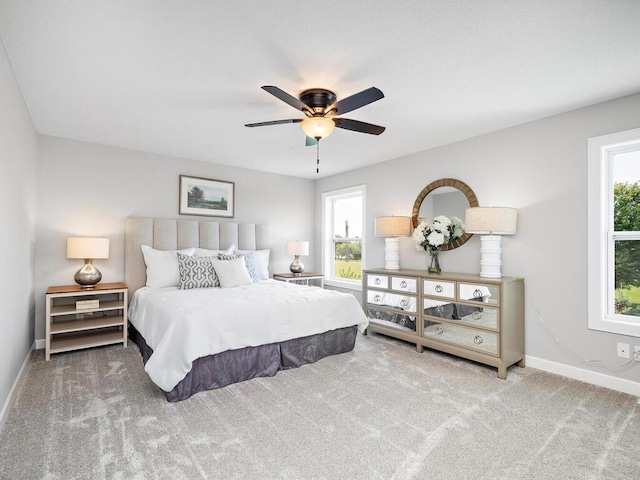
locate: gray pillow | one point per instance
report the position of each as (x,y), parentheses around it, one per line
(196,272)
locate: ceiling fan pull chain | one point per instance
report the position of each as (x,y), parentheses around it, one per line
(317,154)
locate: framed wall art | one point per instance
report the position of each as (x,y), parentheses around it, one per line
(207,197)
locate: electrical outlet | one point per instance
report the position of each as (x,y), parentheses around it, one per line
(623,350)
(636,353)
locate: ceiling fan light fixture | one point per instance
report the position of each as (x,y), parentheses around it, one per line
(317,127)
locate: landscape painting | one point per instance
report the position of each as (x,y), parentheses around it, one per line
(204,196)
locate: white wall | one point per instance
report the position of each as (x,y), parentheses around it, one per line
(18,156)
(541,169)
(88,190)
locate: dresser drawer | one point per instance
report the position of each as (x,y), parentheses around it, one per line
(439,288)
(475,315)
(401,302)
(377,281)
(392,319)
(404,284)
(470,338)
(480,316)
(481,293)
(435,308)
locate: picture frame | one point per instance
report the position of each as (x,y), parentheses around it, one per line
(206,197)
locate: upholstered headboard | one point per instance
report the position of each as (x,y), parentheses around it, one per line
(172,234)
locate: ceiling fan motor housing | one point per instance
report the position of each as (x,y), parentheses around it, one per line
(318,99)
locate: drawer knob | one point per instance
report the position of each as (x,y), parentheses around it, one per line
(377,281)
(439,288)
(439,309)
(477,340)
(404,302)
(439,331)
(403,284)
(476,315)
(376,298)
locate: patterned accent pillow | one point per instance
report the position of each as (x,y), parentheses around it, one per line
(196,272)
(249,261)
(262,262)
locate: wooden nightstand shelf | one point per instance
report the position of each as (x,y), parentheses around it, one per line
(72,328)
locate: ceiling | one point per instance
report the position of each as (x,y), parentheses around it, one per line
(182,78)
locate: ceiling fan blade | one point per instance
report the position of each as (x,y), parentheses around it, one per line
(286,98)
(274,122)
(357,100)
(309,142)
(358,126)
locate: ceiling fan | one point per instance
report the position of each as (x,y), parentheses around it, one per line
(321,107)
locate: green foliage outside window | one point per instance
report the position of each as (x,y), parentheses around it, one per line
(626,218)
(348,260)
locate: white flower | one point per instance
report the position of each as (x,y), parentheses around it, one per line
(441,230)
(458,227)
(443,220)
(435,239)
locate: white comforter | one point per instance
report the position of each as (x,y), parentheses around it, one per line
(183,325)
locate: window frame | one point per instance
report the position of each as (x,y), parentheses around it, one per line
(600,234)
(328,240)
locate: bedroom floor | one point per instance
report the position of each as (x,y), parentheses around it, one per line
(382,411)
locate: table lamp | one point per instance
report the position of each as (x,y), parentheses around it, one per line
(297,248)
(491,223)
(88,249)
(392,228)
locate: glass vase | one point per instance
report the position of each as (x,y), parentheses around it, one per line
(434,266)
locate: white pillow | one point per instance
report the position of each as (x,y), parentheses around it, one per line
(231,273)
(203,252)
(261,258)
(162,266)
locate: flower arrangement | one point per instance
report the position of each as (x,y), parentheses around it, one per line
(440,231)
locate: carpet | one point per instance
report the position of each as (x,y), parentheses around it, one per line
(383,411)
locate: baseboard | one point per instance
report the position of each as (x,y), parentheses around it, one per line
(588,376)
(40,344)
(14,388)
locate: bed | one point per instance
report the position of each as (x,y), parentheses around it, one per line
(205,338)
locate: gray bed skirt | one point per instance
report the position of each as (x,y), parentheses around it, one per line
(232,366)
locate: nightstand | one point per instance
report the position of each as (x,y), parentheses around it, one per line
(79,317)
(302,278)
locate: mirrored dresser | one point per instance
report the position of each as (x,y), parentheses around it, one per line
(477,318)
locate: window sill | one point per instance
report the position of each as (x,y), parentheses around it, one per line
(620,327)
(342,284)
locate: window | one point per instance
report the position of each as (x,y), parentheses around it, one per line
(614,233)
(342,233)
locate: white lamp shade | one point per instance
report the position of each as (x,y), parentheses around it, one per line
(298,248)
(393,226)
(87,247)
(317,127)
(491,220)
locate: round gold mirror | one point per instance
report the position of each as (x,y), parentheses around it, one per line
(448,197)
